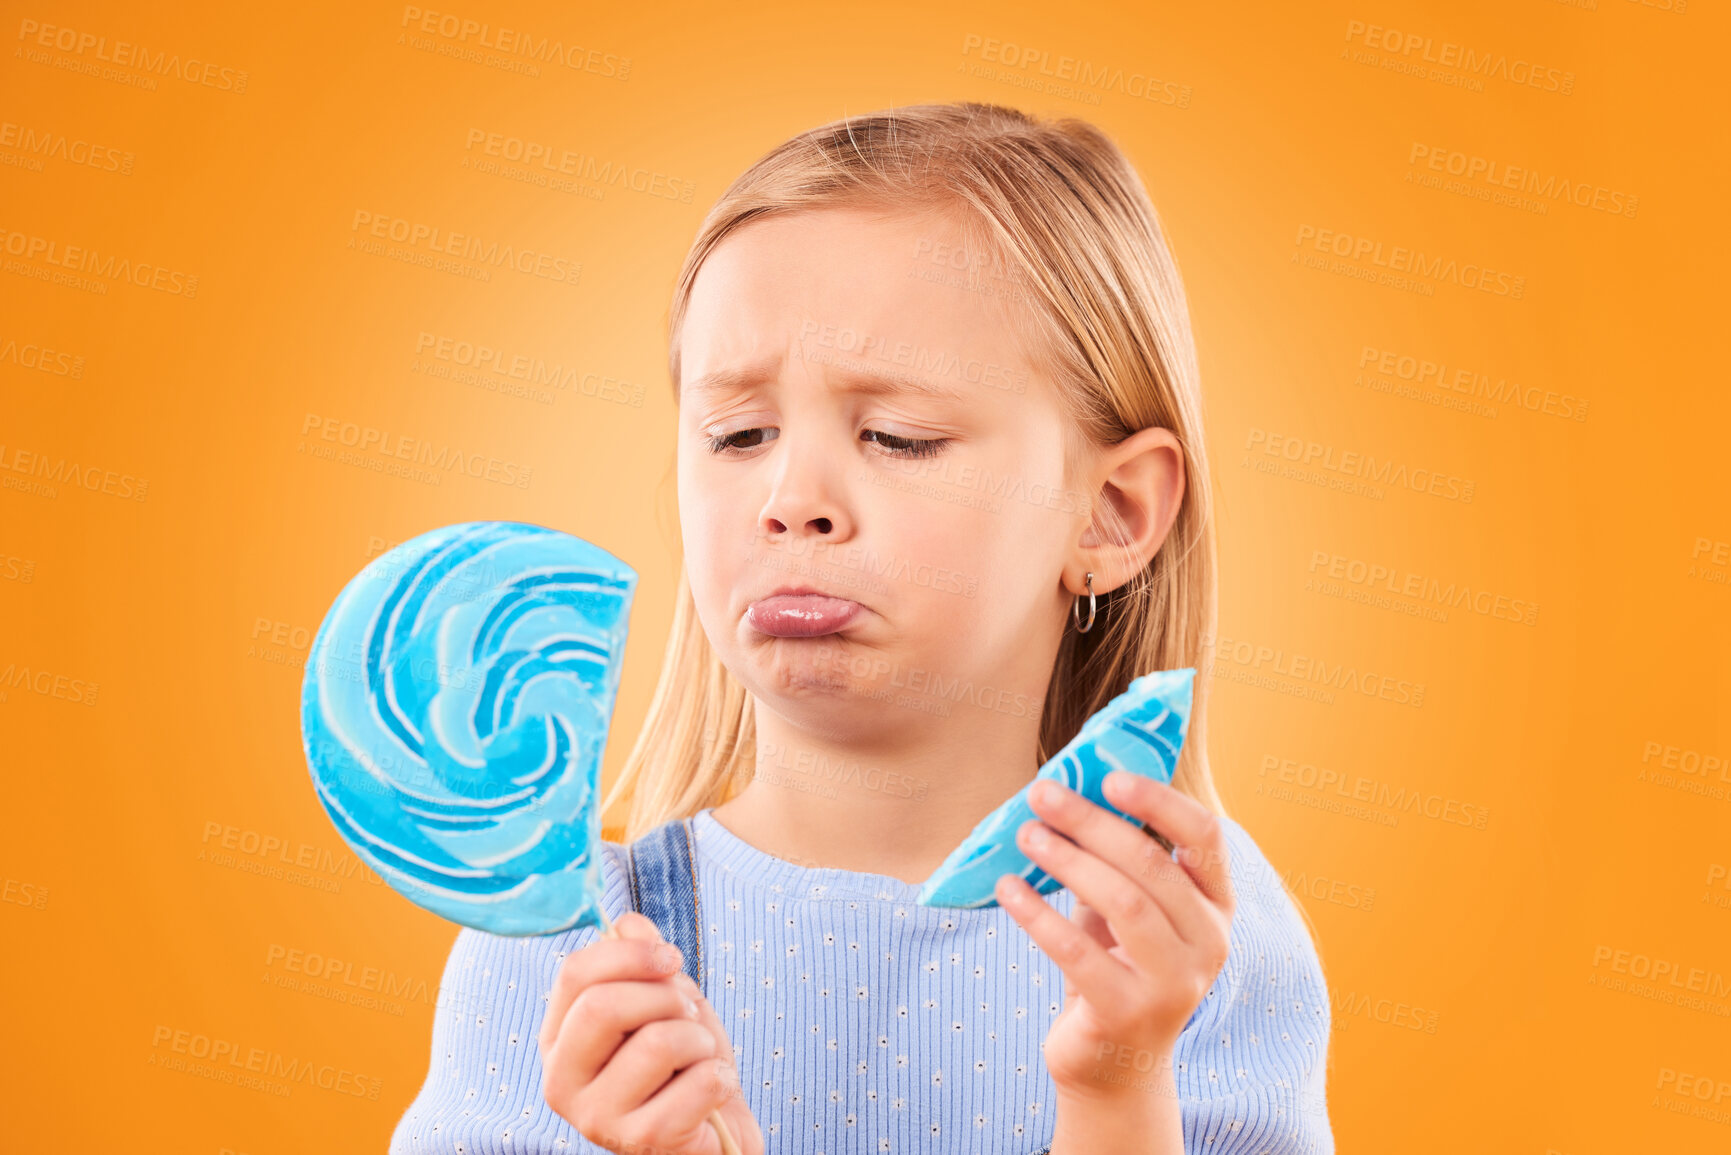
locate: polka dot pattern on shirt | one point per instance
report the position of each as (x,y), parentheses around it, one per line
(863,1021)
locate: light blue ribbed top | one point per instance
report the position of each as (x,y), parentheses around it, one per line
(863,1022)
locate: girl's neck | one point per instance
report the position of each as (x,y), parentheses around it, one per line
(894,807)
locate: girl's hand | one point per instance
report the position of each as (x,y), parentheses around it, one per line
(622,1021)
(1146,940)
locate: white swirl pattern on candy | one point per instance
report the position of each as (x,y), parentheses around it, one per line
(454,713)
(1141,730)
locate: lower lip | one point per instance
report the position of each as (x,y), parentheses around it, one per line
(801,615)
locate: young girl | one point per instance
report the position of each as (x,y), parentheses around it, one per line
(943,493)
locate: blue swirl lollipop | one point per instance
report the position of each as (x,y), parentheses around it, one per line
(1141,730)
(454,711)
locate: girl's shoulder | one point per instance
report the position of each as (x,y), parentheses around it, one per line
(1259,1041)
(492,1001)
(1259,887)
(1271,941)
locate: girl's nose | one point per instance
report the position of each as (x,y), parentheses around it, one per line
(803,501)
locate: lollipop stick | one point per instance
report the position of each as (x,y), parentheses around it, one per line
(728,1146)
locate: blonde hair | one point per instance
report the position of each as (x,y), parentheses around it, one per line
(1069,226)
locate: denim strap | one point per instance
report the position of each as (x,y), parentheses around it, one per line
(663,874)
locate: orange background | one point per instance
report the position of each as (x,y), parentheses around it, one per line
(1488,981)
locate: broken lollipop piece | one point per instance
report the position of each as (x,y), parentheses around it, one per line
(1141,730)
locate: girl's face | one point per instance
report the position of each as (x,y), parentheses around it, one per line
(856,421)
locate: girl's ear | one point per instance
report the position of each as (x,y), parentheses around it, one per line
(1137,487)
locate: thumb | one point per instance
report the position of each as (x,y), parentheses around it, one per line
(635,924)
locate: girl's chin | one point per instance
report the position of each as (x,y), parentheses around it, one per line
(791,671)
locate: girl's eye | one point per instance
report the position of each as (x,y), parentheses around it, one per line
(905,446)
(893,445)
(740,439)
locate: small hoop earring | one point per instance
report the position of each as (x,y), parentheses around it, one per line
(1076,609)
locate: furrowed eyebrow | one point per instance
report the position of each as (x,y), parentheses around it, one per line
(875,384)
(862,380)
(732,379)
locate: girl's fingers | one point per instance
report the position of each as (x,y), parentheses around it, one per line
(1088,970)
(600,1019)
(677,1118)
(711,1021)
(734,1109)
(648,1059)
(632,956)
(1146,867)
(1198,833)
(1138,921)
